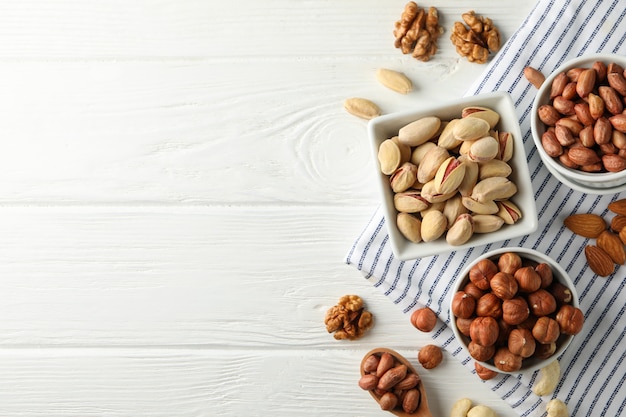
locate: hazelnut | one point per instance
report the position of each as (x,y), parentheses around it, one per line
(545,350)
(509,262)
(473,290)
(507,361)
(545,272)
(479,352)
(541,303)
(515,310)
(481,273)
(522,343)
(464,325)
(484,331)
(570,319)
(546,330)
(484,373)
(561,293)
(504,285)
(463,305)
(529,323)
(424,319)
(504,329)
(528,280)
(430,356)
(489,305)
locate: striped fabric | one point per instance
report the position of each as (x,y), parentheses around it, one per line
(594,366)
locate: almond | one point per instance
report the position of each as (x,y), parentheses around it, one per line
(613,246)
(618,223)
(587,224)
(618,206)
(599,261)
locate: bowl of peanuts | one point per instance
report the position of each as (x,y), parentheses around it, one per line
(514,310)
(578,123)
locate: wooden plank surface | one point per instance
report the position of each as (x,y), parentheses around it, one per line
(180,184)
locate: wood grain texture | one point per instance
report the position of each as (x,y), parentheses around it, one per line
(180,184)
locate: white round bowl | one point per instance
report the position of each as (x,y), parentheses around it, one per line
(529,364)
(592,183)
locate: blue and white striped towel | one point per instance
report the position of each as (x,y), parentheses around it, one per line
(594,366)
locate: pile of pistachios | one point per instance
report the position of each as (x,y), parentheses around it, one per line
(450,178)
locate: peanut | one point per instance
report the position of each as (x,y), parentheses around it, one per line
(585,111)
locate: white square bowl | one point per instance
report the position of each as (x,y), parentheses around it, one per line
(387,126)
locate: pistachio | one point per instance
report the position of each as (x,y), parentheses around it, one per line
(410,226)
(446,138)
(430,193)
(439,206)
(403,178)
(470,128)
(480,207)
(484,113)
(471,176)
(505,141)
(430,163)
(461,230)
(394,80)
(419,131)
(509,212)
(410,201)
(449,175)
(361,107)
(494,168)
(487,223)
(405,150)
(434,224)
(417,156)
(389,156)
(453,208)
(493,188)
(484,149)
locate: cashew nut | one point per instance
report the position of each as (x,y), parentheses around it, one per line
(481,411)
(461,407)
(550,376)
(557,408)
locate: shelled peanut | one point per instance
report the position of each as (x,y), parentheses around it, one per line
(609,250)
(512,309)
(394,384)
(585,121)
(450,178)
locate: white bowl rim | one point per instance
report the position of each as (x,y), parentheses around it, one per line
(529,254)
(579,177)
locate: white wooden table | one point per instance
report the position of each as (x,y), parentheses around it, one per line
(179,184)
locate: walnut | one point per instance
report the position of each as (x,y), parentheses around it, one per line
(348,319)
(476,40)
(417,31)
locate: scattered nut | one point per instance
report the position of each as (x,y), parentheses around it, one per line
(417,31)
(394,80)
(483,372)
(461,407)
(424,319)
(550,376)
(430,356)
(361,107)
(534,76)
(348,319)
(477,40)
(556,408)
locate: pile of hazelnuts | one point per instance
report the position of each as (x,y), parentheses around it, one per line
(513,309)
